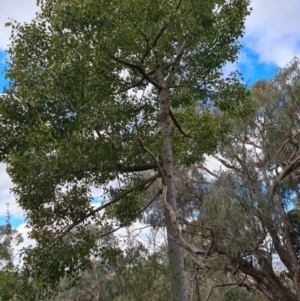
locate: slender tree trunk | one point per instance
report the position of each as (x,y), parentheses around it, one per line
(175,252)
(97,292)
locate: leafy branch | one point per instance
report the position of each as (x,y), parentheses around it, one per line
(114,200)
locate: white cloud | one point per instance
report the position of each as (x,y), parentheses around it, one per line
(23,230)
(151,238)
(229,67)
(273,31)
(19,10)
(6,197)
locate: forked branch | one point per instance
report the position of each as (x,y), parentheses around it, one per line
(137,68)
(180,240)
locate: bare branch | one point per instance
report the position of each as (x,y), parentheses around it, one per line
(286,141)
(286,171)
(138,168)
(226,164)
(249,142)
(209,171)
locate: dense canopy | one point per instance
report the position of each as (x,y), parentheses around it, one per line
(102,90)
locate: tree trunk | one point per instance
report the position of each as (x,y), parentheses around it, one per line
(175,252)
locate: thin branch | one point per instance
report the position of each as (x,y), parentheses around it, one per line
(137,215)
(218,285)
(140,81)
(285,142)
(290,168)
(161,31)
(138,168)
(178,125)
(249,142)
(158,165)
(177,86)
(163,28)
(262,165)
(209,171)
(97,131)
(123,169)
(114,200)
(71,102)
(212,244)
(176,63)
(136,67)
(178,5)
(188,195)
(226,164)
(138,29)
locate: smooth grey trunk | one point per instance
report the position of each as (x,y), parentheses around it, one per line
(175,252)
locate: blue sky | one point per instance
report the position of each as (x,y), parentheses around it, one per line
(272,39)
(2,66)
(255,70)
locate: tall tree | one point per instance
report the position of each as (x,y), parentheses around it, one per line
(249,209)
(100,90)
(9,237)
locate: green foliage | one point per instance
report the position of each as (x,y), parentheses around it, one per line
(294,217)
(238,294)
(127,209)
(9,237)
(84,89)
(8,281)
(132,274)
(243,202)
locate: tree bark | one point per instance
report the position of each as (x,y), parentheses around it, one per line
(266,276)
(175,252)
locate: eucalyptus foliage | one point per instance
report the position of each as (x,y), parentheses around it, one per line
(9,237)
(248,214)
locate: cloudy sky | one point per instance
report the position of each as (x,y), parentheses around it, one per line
(271,40)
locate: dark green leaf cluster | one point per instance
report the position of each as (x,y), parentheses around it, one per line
(84,91)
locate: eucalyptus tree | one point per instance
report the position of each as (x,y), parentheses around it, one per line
(9,237)
(249,219)
(101,90)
